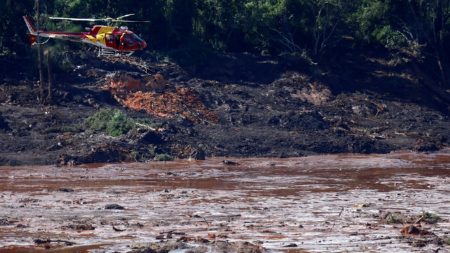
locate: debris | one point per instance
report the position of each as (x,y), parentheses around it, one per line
(409,230)
(230,163)
(66,190)
(80,227)
(48,241)
(114,207)
(182,102)
(5,222)
(149,94)
(118,229)
(393,218)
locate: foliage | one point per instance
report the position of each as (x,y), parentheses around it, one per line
(163,157)
(113,122)
(447,241)
(430,218)
(394,218)
(314,27)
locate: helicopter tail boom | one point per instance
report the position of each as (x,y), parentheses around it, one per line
(30,25)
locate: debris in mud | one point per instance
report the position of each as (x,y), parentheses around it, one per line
(200,246)
(114,207)
(80,227)
(160,247)
(250,202)
(301,87)
(47,242)
(150,94)
(230,163)
(66,190)
(393,218)
(118,229)
(414,230)
(183,102)
(5,222)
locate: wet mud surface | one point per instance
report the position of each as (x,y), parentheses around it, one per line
(333,203)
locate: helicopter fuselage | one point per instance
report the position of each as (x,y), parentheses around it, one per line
(107,37)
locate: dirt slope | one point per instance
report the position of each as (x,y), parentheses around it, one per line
(232,105)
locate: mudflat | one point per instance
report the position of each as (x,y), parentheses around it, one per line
(328,203)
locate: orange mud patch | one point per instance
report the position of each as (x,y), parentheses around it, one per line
(150,95)
(182,101)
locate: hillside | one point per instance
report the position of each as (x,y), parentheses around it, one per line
(143,108)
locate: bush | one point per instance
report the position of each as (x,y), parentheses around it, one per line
(430,218)
(113,122)
(163,157)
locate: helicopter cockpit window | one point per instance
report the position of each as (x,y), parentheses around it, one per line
(136,38)
(132,39)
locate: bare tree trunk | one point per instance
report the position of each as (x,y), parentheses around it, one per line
(49,78)
(40,68)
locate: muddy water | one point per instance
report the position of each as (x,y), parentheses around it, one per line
(312,204)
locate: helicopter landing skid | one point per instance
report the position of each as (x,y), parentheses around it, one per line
(109,52)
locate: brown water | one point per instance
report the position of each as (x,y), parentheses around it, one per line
(320,203)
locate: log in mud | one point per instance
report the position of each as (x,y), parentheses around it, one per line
(334,203)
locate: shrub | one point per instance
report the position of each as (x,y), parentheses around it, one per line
(113,122)
(163,157)
(430,218)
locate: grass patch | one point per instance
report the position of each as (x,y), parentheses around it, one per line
(112,122)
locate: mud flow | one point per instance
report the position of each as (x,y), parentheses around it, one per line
(334,203)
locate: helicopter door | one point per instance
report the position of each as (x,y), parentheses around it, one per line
(110,40)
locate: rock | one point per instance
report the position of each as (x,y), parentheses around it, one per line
(114,207)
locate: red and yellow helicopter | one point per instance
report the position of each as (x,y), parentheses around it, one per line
(108,38)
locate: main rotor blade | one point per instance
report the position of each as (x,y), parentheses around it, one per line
(77,19)
(124,16)
(130,21)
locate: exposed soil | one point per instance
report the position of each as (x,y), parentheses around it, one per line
(232,105)
(335,203)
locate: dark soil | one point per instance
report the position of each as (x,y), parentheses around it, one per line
(272,107)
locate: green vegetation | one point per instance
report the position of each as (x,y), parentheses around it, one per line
(394,218)
(112,122)
(163,157)
(318,29)
(447,241)
(430,218)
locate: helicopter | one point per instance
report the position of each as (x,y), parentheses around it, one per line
(109,39)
